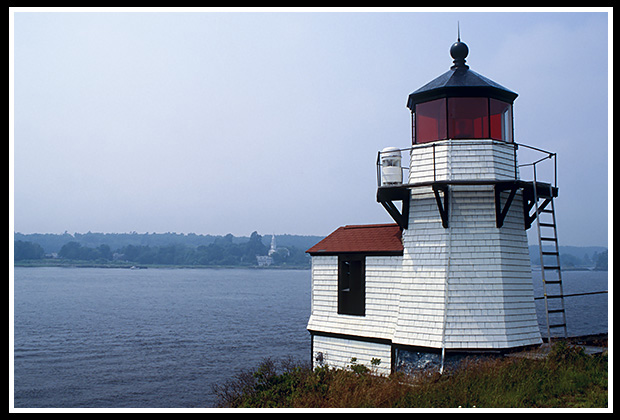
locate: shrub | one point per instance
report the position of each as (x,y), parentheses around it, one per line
(566,378)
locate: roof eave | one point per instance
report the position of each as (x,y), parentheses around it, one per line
(460,91)
(360,252)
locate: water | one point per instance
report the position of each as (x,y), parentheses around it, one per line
(92,337)
(150,338)
(584,314)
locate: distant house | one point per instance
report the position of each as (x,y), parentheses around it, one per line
(264,260)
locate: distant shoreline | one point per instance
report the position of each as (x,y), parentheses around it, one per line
(129,266)
(90,264)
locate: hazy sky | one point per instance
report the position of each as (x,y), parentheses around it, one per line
(226,122)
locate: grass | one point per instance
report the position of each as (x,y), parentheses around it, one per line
(567,377)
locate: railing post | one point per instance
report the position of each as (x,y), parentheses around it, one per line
(514,150)
(555,170)
(434,166)
(378,168)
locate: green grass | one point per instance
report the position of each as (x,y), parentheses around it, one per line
(567,377)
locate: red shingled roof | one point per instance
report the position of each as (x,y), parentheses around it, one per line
(368,239)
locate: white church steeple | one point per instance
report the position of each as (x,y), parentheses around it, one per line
(272,250)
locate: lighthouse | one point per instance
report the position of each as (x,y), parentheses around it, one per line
(451,276)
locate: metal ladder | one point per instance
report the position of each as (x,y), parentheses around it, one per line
(551,272)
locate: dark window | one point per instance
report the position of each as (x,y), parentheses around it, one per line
(430,121)
(501,120)
(468,118)
(351,285)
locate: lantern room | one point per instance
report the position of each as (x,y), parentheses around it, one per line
(461,104)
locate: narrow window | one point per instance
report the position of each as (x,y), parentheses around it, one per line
(501,120)
(351,285)
(468,118)
(430,121)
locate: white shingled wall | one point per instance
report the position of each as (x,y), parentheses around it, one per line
(465,287)
(382,276)
(490,300)
(468,286)
(422,287)
(462,160)
(337,352)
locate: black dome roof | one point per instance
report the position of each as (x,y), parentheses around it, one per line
(460,81)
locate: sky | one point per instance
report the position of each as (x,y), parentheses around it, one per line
(216,121)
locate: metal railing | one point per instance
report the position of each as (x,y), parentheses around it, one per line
(452,143)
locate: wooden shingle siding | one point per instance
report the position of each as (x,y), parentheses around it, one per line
(422,287)
(382,276)
(468,286)
(462,160)
(485,271)
(473,279)
(337,352)
(490,299)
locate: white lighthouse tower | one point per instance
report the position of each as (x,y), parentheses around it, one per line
(452,276)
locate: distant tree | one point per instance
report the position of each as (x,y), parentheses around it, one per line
(104,252)
(71,251)
(27,251)
(226,240)
(209,254)
(74,251)
(254,247)
(601,261)
(569,260)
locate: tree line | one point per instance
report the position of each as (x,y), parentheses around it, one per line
(208,250)
(574,258)
(223,251)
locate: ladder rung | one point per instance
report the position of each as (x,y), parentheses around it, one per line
(550,253)
(555,296)
(553,311)
(557,325)
(545,211)
(551,267)
(547,225)
(548,239)
(553,282)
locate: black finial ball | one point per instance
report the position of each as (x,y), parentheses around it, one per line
(459,50)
